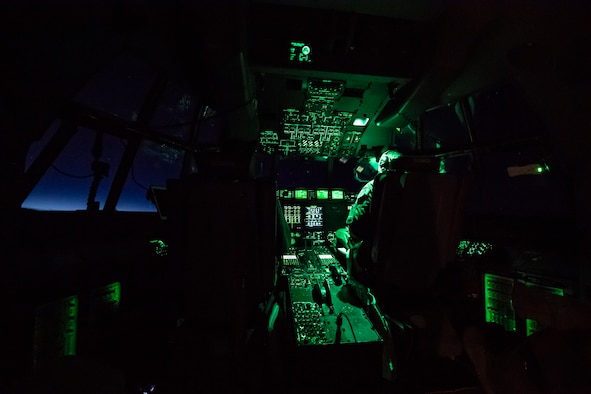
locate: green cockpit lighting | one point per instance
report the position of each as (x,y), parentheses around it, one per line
(442,169)
(337,195)
(373,162)
(160,247)
(469,248)
(362,122)
(301,194)
(112,293)
(528,169)
(56,329)
(498,306)
(71,326)
(322,194)
(300,52)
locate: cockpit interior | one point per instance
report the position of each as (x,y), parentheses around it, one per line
(181,180)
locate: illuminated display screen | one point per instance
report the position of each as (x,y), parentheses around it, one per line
(286,193)
(322,194)
(290,260)
(498,291)
(292,214)
(110,294)
(361,122)
(301,194)
(313,214)
(300,52)
(313,218)
(337,195)
(56,327)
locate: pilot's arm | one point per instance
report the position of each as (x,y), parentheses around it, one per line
(358,218)
(345,238)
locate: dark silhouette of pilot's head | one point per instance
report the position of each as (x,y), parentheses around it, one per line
(386,159)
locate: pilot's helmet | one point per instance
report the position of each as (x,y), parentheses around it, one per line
(386,159)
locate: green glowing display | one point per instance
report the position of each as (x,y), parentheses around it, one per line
(442,169)
(360,122)
(55,330)
(473,248)
(322,194)
(498,304)
(300,52)
(71,326)
(531,326)
(284,193)
(112,293)
(160,247)
(337,195)
(301,194)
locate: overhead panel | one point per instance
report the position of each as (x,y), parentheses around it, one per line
(324,75)
(318,127)
(307,113)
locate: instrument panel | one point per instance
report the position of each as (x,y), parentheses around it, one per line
(323,307)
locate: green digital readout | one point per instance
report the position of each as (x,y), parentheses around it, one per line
(109,294)
(322,194)
(285,193)
(300,52)
(55,330)
(498,306)
(362,122)
(71,324)
(160,247)
(301,194)
(337,195)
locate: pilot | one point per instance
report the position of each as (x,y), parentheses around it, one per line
(357,236)
(361,222)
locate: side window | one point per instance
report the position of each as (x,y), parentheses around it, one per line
(406,138)
(518,181)
(119,89)
(515,172)
(176,113)
(501,114)
(114,98)
(443,128)
(153,165)
(37,147)
(66,184)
